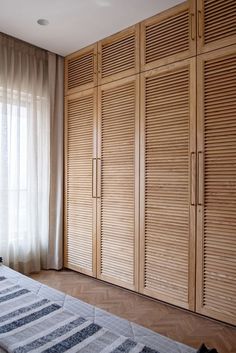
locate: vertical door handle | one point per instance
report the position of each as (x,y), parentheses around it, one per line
(192,26)
(200,179)
(199,23)
(98,177)
(193,178)
(94,178)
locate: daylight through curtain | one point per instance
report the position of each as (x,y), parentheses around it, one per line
(25,156)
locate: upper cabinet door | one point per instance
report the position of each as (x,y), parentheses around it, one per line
(167,180)
(118,55)
(118,182)
(216,24)
(81,70)
(80,185)
(216,209)
(169,36)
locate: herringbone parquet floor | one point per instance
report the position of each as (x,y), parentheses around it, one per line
(178,324)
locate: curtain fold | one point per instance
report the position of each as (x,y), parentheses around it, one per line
(56,94)
(31,115)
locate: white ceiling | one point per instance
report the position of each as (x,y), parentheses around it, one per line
(74,24)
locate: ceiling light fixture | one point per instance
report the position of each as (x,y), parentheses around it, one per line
(43,22)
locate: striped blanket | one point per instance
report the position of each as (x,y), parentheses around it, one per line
(30,323)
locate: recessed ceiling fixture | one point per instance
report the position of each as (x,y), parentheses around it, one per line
(43,22)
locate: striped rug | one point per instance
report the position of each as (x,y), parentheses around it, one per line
(29,323)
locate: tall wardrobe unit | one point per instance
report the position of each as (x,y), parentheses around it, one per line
(150,158)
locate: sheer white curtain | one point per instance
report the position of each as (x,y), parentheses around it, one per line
(25,158)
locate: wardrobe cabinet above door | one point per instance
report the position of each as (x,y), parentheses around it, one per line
(150,158)
(216,201)
(216,22)
(169,36)
(80,183)
(81,70)
(168,171)
(118,182)
(118,55)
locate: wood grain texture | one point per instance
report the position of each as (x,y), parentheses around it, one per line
(169,36)
(81,70)
(216,22)
(176,180)
(167,320)
(80,206)
(168,123)
(118,206)
(118,55)
(216,266)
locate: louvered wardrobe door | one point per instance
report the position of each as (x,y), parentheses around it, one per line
(80,169)
(118,174)
(167,196)
(81,70)
(169,36)
(216,24)
(118,55)
(216,238)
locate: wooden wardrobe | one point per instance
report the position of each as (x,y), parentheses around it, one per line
(150,158)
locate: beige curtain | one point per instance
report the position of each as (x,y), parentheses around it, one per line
(56,94)
(31,129)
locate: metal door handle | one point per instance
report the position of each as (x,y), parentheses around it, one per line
(192,29)
(199,22)
(200,176)
(193,178)
(98,178)
(94,179)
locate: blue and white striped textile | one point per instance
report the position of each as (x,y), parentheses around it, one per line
(30,323)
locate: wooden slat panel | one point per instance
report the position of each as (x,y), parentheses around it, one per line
(167,218)
(118,209)
(216,24)
(118,55)
(169,36)
(81,70)
(80,208)
(216,267)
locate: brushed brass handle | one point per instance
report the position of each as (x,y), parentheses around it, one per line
(200,177)
(98,178)
(193,178)
(192,27)
(199,24)
(94,179)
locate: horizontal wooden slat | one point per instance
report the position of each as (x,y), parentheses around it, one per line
(219,20)
(166,219)
(218,237)
(118,55)
(79,206)
(169,36)
(81,70)
(117,233)
(216,24)
(117,58)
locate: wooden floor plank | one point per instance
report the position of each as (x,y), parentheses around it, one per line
(178,324)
